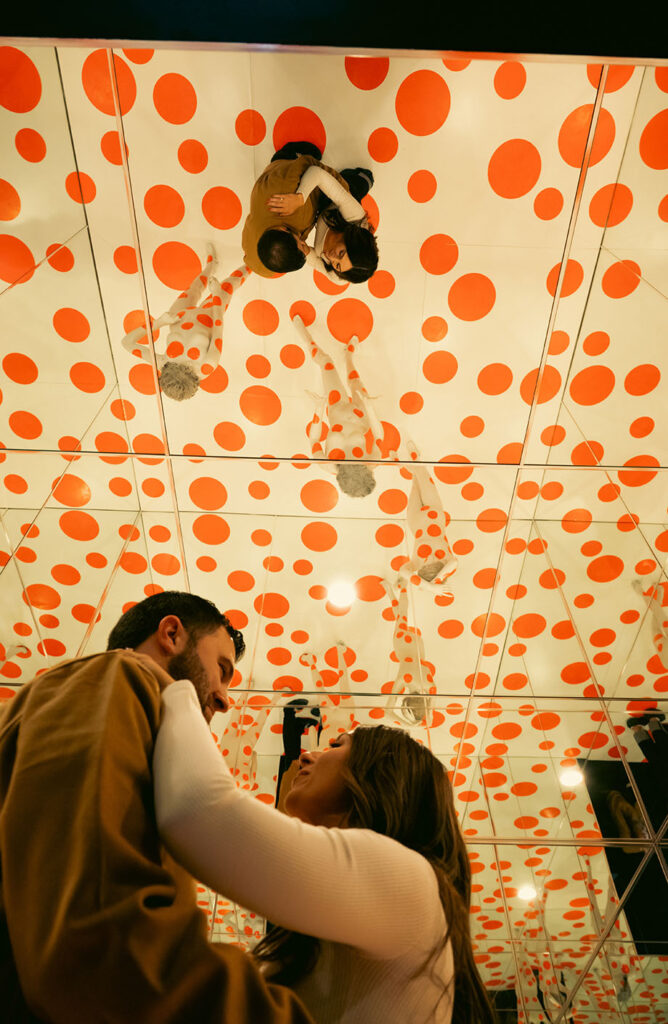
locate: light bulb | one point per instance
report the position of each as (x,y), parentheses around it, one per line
(341,593)
(571,777)
(527,892)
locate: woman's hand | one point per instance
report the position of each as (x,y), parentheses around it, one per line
(284,205)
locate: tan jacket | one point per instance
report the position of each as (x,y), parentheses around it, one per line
(98,925)
(279,177)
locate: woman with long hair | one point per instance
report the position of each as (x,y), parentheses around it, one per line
(366,878)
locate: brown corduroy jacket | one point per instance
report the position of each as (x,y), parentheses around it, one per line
(281,176)
(97,922)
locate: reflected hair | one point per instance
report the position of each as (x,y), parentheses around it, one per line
(198,617)
(398,788)
(360,244)
(178,381)
(354,479)
(279,251)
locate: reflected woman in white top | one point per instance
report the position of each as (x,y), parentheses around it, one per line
(366,878)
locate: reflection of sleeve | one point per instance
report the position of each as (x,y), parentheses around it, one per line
(318,177)
(103,925)
(329,882)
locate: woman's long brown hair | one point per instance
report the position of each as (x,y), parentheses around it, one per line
(399,789)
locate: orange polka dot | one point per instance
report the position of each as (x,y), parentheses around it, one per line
(548,204)
(176,265)
(60,257)
(596,343)
(641,427)
(30,145)
(494,379)
(70,324)
(450,628)
(142,380)
(434,328)
(211,529)
(80,187)
(207,492)
(392,502)
(641,379)
(125,258)
(540,391)
(510,79)
(97,82)
(20,85)
(15,484)
(259,490)
(577,520)
(221,207)
(514,168)
(488,625)
(139,56)
(229,436)
(19,368)
(382,145)
(41,595)
(621,279)
(25,425)
(472,426)
(472,296)
(367,72)
(381,284)
(10,204)
(164,206)
(422,103)
(292,356)
(653,145)
(174,98)
(79,526)
(618,75)
(635,477)
(66,574)
(71,490)
(610,205)
(319,536)
(165,565)
(491,519)
(302,567)
(319,496)
(663,209)
(510,454)
(250,127)
(588,453)
(241,581)
(110,144)
(389,535)
(422,186)
(16,260)
(438,254)
(529,625)
(485,579)
(439,367)
(411,402)
(299,123)
(87,377)
(132,562)
(349,318)
(260,405)
(605,569)
(575,129)
(456,474)
(573,277)
(592,385)
(271,606)
(260,317)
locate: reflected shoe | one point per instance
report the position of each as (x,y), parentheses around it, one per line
(298,716)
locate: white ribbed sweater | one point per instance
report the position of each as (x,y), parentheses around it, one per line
(373,902)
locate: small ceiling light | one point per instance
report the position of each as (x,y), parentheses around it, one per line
(341,593)
(527,892)
(571,777)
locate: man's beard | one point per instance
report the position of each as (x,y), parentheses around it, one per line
(188,665)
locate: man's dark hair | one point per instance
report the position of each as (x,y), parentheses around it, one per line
(279,251)
(197,615)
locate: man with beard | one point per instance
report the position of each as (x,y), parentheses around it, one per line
(97,922)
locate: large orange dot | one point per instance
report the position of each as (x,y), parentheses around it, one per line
(575,129)
(260,317)
(548,203)
(260,405)
(438,254)
(642,379)
(635,477)
(87,377)
(25,425)
(79,525)
(164,206)
(211,529)
(529,625)
(611,205)
(577,520)
(654,142)
(41,595)
(250,127)
(80,187)
(319,536)
(221,207)
(349,318)
(390,535)
(97,82)
(19,368)
(605,569)
(110,144)
(71,490)
(367,72)
(382,145)
(299,123)
(174,98)
(422,103)
(422,186)
(229,436)
(208,493)
(548,387)
(572,279)
(439,367)
(176,265)
(193,156)
(319,495)
(510,79)
(20,83)
(16,260)
(30,145)
(622,278)
(514,168)
(472,296)
(494,379)
(592,385)
(10,203)
(434,328)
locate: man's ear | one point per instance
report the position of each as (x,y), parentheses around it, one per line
(171,635)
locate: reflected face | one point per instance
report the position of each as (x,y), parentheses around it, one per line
(335,252)
(318,794)
(208,663)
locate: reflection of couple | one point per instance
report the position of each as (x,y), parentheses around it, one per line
(367,880)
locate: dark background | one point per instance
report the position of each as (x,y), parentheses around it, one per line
(597,28)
